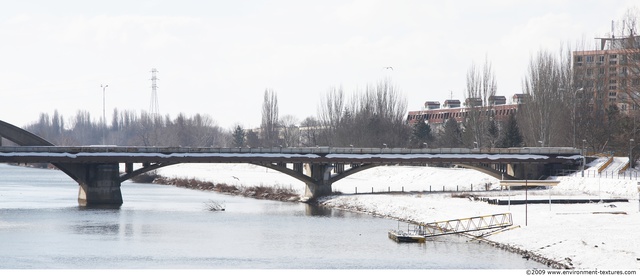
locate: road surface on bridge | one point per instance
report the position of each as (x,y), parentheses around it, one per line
(89,154)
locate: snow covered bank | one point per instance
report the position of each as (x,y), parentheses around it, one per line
(582,236)
(380,179)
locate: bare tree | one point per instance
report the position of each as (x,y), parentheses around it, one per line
(630,62)
(310,132)
(540,115)
(379,116)
(85,132)
(580,90)
(290,131)
(569,94)
(369,119)
(269,125)
(481,86)
(330,113)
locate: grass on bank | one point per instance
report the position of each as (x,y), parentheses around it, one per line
(260,192)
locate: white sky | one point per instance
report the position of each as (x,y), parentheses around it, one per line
(218,57)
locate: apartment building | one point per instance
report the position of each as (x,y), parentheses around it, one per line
(610,75)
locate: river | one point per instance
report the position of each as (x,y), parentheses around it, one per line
(161,227)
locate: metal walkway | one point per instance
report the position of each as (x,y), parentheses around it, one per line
(457,226)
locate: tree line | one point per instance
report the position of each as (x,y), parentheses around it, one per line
(129,128)
(373,117)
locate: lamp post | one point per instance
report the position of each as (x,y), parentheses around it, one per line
(584,159)
(575,95)
(104,117)
(631,153)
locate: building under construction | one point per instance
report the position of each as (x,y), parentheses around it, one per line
(610,75)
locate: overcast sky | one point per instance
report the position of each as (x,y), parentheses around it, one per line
(218,57)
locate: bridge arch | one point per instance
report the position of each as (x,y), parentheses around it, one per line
(317,178)
(131,173)
(300,172)
(489,171)
(21,136)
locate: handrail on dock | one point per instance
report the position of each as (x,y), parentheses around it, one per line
(457,226)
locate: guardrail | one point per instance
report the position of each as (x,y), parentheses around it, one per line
(457,226)
(298,150)
(594,174)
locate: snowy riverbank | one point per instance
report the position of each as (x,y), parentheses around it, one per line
(581,236)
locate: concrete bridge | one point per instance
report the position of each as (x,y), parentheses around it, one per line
(97,168)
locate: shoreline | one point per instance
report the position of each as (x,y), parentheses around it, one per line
(263,192)
(526,254)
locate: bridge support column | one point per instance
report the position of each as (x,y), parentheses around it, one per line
(321,174)
(100,186)
(526,171)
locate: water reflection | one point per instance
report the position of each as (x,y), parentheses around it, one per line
(99,207)
(317,211)
(92,228)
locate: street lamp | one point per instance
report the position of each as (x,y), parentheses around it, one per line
(574,114)
(104,117)
(638,196)
(584,152)
(384,145)
(475,145)
(631,153)
(541,143)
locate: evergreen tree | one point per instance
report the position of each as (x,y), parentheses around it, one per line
(493,133)
(252,139)
(511,136)
(421,133)
(452,136)
(238,136)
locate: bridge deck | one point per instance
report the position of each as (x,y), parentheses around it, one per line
(298,150)
(95,154)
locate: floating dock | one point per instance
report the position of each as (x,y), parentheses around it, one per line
(549,201)
(401,236)
(454,226)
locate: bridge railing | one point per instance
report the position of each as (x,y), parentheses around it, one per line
(292,150)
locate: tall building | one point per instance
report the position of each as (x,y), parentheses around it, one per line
(610,75)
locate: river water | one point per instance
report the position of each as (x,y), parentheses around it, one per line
(158,227)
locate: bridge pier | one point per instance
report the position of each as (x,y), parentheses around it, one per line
(321,185)
(100,186)
(525,171)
